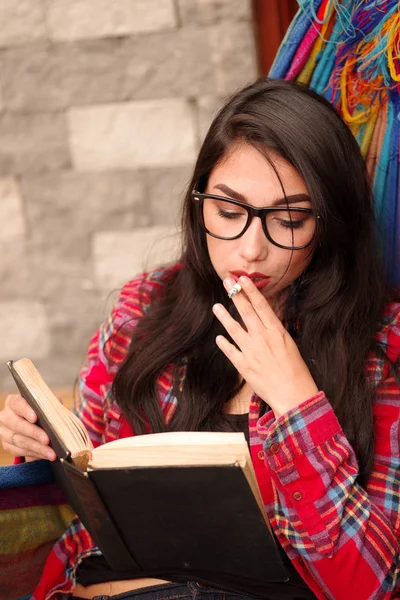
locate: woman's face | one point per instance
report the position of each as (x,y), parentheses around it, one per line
(246,175)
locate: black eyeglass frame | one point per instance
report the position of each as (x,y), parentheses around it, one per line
(252,211)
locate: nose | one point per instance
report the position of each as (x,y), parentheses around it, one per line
(253,243)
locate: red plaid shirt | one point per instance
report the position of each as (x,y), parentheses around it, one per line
(342,539)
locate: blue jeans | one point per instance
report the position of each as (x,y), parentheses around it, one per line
(175,591)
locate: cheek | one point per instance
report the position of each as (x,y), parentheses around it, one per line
(299,262)
(218,251)
(212,249)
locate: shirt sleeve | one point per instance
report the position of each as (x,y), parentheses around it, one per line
(347,537)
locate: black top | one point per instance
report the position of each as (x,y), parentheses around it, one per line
(96,570)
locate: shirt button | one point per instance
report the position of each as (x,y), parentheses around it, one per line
(297,495)
(274,448)
(261,454)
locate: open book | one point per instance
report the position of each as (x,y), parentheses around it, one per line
(174,505)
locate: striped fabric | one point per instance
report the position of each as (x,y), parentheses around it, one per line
(343,540)
(348,51)
(33,515)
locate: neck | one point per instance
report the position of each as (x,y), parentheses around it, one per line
(240,404)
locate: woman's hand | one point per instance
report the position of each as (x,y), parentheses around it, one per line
(268,358)
(19,434)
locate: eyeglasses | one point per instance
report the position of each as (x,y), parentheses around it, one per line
(287,227)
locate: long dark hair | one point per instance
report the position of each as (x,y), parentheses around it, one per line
(335,306)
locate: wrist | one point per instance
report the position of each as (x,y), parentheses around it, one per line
(283,407)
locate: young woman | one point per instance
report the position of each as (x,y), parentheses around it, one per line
(302,359)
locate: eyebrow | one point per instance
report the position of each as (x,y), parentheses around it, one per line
(293,199)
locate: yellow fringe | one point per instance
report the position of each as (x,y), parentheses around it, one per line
(393,53)
(368,132)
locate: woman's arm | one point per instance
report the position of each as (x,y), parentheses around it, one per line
(347,537)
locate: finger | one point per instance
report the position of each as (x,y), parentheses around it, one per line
(232,353)
(15,423)
(20,452)
(27,437)
(232,327)
(260,305)
(20,406)
(13,450)
(20,445)
(247,312)
(20,436)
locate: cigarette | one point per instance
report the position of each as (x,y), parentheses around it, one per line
(235,290)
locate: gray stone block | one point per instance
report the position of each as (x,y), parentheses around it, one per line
(169,64)
(43,77)
(234,56)
(65,209)
(208,12)
(21,21)
(119,256)
(131,135)
(44,271)
(11,211)
(74,19)
(207,108)
(1,96)
(16,275)
(23,330)
(33,143)
(165,190)
(72,320)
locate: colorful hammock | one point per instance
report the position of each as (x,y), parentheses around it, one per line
(349,51)
(33,515)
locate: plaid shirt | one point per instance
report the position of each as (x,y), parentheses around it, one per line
(342,539)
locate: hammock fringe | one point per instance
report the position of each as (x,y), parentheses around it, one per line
(349,51)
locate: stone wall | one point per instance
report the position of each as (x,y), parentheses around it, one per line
(103,106)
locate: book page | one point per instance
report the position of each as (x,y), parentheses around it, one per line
(66,426)
(173,448)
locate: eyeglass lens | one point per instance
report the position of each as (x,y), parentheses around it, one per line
(289,228)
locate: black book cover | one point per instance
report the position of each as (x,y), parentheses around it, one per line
(196,522)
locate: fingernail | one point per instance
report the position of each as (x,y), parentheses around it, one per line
(32,415)
(228,283)
(44,439)
(244,280)
(51,455)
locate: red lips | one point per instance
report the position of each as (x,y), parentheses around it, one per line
(259,279)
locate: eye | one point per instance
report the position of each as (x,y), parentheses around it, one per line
(292,224)
(291,220)
(230,214)
(229,211)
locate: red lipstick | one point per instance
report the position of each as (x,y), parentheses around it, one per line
(259,279)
